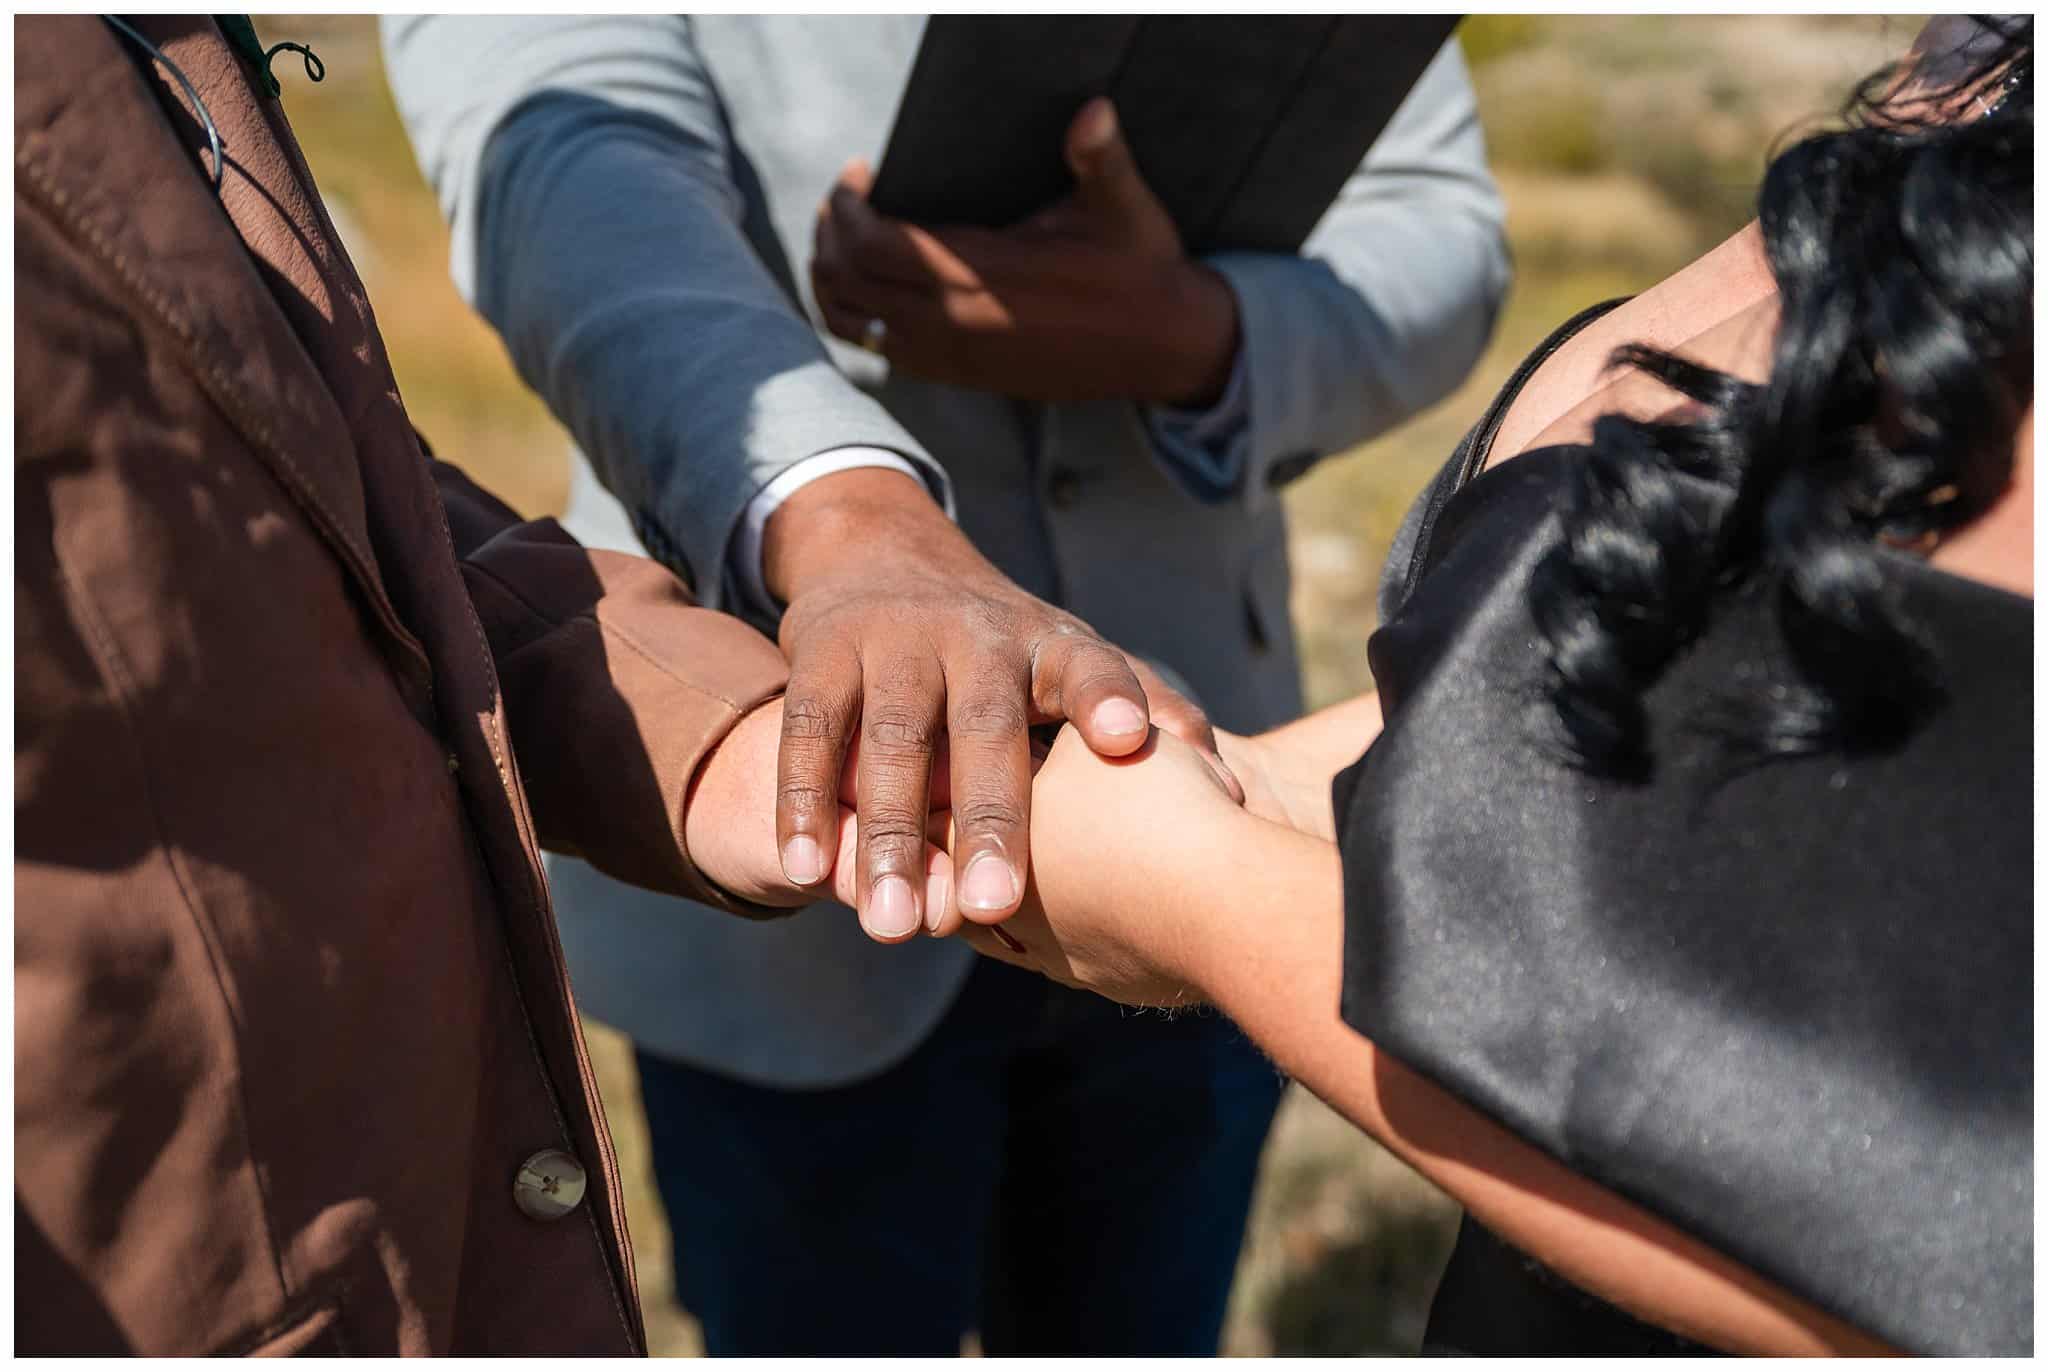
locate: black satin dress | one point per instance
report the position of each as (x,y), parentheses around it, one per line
(1788,1009)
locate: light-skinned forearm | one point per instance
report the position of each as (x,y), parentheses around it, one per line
(1287,771)
(1331,739)
(1276,971)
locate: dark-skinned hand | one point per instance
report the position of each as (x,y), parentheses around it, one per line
(902,638)
(1092,298)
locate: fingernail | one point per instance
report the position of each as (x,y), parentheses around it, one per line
(989,884)
(1118,716)
(935,898)
(803,861)
(892,908)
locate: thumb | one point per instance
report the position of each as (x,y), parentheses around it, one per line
(1106,178)
(857,176)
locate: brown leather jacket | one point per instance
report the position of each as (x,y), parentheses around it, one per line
(290,1014)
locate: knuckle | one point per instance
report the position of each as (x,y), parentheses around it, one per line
(901,731)
(802,795)
(994,624)
(905,670)
(989,717)
(809,718)
(1060,638)
(892,833)
(1060,624)
(813,634)
(1095,661)
(1099,652)
(1085,679)
(988,816)
(811,654)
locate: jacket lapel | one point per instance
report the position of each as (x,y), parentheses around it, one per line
(94,147)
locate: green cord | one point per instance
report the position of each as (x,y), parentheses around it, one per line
(241,34)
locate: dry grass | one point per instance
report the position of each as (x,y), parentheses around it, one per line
(1625,145)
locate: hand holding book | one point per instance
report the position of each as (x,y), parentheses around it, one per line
(1092,297)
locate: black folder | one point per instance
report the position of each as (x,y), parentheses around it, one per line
(1246,127)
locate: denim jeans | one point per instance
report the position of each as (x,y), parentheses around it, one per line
(1062,1174)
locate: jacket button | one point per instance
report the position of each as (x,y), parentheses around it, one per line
(1063,489)
(550,1184)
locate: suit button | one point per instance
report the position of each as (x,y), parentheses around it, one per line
(1064,489)
(550,1184)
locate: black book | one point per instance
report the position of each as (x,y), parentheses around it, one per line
(1246,127)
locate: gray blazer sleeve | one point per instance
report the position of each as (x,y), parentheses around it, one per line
(1393,297)
(529,128)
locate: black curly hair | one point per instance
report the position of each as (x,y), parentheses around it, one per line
(1903,249)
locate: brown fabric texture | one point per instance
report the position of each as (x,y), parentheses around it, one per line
(290,1011)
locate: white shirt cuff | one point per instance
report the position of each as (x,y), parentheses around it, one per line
(743,552)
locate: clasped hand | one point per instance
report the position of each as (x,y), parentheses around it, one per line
(916,667)
(1093,297)
(1121,846)
(1128,853)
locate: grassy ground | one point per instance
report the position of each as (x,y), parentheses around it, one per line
(1625,146)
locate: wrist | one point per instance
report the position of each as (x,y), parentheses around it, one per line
(1225,939)
(846,515)
(1120,852)
(1301,770)
(1320,745)
(729,810)
(1199,349)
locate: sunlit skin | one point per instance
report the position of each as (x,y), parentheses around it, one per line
(1165,892)
(1150,885)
